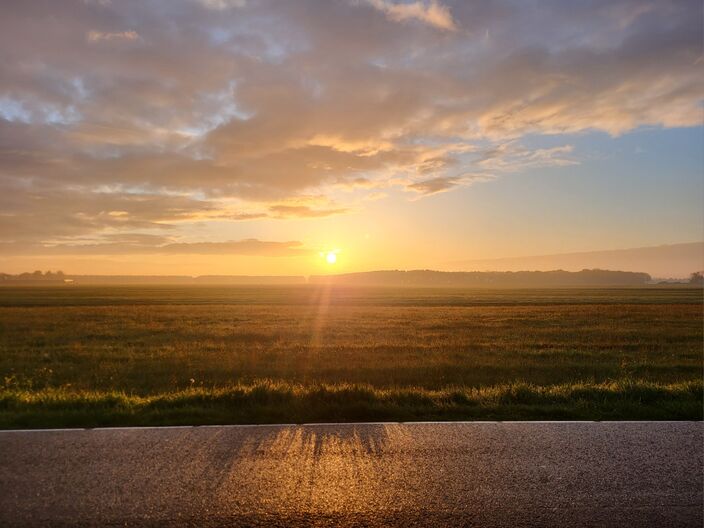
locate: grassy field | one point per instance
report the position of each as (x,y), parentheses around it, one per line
(88,356)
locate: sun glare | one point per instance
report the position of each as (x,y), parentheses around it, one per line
(331,257)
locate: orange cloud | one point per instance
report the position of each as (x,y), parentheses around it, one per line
(303,211)
(434,185)
(432,13)
(141,246)
(95,36)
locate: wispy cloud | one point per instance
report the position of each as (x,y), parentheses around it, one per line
(430,12)
(222,4)
(96,36)
(142,246)
(303,211)
(434,185)
(512,157)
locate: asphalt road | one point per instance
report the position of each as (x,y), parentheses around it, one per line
(459,474)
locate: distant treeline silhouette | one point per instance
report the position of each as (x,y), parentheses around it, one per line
(60,277)
(34,276)
(391,278)
(476,279)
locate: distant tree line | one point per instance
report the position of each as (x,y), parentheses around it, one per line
(35,275)
(396,278)
(500,279)
(478,279)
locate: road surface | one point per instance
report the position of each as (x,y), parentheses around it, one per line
(455,474)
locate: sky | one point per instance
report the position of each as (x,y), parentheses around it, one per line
(260,137)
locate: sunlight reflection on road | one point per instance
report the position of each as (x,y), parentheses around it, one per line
(324,470)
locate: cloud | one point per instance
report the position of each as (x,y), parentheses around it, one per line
(246,216)
(432,13)
(251,247)
(138,245)
(303,211)
(30,214)
(241,111)
(434,185)
(96,36)
(512,157)
(222,4)
(285,211)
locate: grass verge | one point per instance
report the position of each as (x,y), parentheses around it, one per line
(281,402)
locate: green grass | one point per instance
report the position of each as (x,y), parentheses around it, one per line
(278,402)
(191,355)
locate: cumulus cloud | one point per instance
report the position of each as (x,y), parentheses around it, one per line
(124,116)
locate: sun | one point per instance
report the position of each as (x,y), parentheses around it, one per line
(331,257)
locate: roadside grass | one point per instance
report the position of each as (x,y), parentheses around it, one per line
(131,356)
(280,402)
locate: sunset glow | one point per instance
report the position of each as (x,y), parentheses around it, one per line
(220,137)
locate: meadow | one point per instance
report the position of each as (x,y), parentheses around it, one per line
(145,355)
